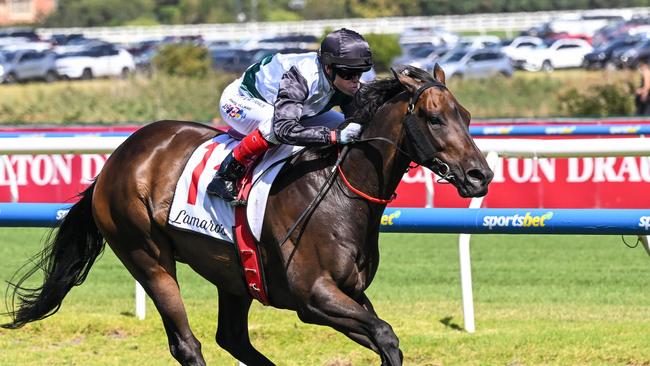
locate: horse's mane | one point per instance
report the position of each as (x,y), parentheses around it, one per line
(373,95)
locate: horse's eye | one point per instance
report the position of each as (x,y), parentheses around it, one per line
(435,121)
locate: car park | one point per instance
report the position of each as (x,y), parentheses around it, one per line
(100,61)
(475,63)
(27,65)
(561,53)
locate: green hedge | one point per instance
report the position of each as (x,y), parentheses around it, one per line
(136,100)
(142,100)
(598,100)
(183,59)
(385,48)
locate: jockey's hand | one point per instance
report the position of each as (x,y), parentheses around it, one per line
(350,133)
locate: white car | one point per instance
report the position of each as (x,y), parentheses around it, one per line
(520,46)
(562,53)
(100,61)
(478,42)
(475,63)
(21,46)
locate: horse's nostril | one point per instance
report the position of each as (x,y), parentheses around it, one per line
(476,176)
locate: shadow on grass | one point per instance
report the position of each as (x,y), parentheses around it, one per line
(447,322)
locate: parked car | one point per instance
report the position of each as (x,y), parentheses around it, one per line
(144,61)
(63,39)
(436,36)
(584,24)
(562,53)
(521,45)
(79,44)
(479,42)
(21,46)
(9,36)
(629,57)
(99,61)
(475,63)
(621,53)
(420,57)
(302,41)
(27,65)
(238,60)
(601,56)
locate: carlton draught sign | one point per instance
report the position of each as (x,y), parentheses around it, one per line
(48,178)
(603,182)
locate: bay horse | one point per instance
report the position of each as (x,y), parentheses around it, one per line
(321,271)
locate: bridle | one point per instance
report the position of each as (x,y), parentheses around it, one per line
(423,147)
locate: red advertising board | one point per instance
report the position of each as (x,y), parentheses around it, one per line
(552,183)
(604,182)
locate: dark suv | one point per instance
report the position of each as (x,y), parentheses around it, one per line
(601,56)
(628,57)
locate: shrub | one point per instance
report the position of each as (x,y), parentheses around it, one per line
(183,59)
(598,100)
(385,48)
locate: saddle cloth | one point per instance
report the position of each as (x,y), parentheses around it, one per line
(194,210)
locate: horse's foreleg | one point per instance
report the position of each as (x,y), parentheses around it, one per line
(232,330)
(328,305)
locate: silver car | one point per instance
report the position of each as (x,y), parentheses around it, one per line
(476,63)
(27,65)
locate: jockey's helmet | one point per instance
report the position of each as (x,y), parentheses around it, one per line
(345,49)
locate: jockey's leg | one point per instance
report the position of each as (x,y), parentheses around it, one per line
(249,116)
(233,167)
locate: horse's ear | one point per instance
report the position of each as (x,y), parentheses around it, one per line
(404,76)
(439,74)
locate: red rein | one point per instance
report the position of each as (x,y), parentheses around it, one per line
(361,194)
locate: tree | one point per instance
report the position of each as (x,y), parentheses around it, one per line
(92,13)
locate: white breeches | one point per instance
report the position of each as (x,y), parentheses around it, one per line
(244,114)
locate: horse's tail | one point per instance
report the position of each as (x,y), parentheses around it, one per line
(65,261)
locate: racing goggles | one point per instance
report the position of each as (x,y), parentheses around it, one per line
(349,74)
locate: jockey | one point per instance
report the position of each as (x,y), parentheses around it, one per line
(272,99)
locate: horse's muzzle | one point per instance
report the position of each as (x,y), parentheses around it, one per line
(475,182)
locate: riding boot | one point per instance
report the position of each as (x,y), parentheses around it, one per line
(224,182)
(233,167)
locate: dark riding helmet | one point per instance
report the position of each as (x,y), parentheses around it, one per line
(345,49)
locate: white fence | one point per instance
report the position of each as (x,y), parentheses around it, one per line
(509,22)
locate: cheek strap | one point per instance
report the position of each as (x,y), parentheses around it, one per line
(416,132)
(424,149)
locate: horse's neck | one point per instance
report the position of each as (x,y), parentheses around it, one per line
(377,167)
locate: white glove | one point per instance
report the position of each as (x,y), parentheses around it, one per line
(350,133)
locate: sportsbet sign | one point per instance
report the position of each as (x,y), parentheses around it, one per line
(516,220)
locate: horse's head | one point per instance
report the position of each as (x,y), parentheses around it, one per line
(437,130)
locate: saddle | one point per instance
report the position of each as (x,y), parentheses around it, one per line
(194,210)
